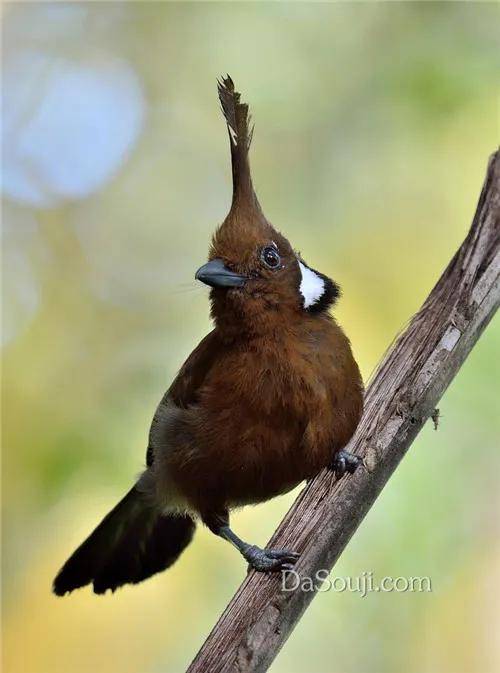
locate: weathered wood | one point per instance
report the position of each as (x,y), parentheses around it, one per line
(404,391)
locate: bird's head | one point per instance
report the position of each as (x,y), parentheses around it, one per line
(257,279)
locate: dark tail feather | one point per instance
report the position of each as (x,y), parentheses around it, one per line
(130,544)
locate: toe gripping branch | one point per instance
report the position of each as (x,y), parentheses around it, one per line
(343,462)
(266,560)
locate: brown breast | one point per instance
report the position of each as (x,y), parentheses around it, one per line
(270,414)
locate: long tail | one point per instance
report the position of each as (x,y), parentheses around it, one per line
(130,544)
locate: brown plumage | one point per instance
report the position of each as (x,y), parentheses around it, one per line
(266,400)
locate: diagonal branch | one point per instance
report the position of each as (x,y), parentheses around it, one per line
(408,383)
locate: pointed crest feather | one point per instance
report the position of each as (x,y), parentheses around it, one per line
(236,113)
(240,136)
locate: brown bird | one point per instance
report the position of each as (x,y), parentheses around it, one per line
(268,398)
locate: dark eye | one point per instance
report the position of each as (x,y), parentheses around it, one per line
(270,257)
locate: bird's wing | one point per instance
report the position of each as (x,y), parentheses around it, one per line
(185,388)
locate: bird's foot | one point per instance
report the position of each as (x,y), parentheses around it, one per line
(267,560)
(343,462)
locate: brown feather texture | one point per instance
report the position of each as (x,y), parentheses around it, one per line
(265,401)
(236,113)
(240,136)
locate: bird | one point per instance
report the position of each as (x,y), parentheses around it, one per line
(268,398)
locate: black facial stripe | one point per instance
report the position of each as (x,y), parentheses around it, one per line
(328,298)
(331,293)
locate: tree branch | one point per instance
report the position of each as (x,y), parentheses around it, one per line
(408,383)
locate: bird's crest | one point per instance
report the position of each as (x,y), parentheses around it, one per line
(240,136)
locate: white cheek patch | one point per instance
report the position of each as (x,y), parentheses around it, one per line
(312,286)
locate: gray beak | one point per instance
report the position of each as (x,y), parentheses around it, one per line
(215,274)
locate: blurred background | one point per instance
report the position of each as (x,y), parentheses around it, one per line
(374,123)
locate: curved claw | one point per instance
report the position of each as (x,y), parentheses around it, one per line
(270,560)
(281,554)
(345,462)
(340,467)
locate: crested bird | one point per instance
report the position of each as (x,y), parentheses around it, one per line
(267,399)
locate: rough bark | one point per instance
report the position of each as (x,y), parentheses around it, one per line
(403,393)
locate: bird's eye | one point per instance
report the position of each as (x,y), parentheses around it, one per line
(270,256)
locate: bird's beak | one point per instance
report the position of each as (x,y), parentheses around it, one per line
(215,274)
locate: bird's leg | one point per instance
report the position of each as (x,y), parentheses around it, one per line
(260,559)
(343,462)
(264,560)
